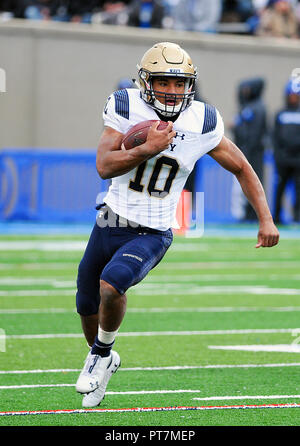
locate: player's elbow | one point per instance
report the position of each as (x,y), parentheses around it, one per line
(102,170)
(243,169)
(104,174)
(103,166)
(239,168)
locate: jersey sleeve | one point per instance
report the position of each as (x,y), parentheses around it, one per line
(213,128)
(116,111)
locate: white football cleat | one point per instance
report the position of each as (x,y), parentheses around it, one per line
(95,397)
(95,371)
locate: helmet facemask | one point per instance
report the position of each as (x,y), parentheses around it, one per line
(161,101)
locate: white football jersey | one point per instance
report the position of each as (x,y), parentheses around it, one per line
(149,193)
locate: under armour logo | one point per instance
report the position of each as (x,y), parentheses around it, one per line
(180,135)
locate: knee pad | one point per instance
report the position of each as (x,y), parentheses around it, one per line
(85,305)
(119,275)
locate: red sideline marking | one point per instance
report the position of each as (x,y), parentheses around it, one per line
(150,409)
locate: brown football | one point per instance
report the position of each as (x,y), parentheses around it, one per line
(137,134)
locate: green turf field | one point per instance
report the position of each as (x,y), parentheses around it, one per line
(215,324)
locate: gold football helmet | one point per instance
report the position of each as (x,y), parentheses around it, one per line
(166,59)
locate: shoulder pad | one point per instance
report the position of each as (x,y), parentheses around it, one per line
(122,103)
(210,119)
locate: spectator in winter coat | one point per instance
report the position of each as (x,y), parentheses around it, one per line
(250,127)
(197,15)
(286,138)
(278,20)
(146,14)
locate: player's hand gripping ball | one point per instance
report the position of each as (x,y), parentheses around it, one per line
(137,134)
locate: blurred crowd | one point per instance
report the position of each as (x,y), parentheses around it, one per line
(279,18)
(256,134)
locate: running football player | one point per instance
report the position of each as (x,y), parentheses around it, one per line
(132,230)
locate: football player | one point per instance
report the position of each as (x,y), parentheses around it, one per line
(132,230)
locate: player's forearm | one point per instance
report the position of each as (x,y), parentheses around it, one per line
(114,160)
(254,192)
(118,162)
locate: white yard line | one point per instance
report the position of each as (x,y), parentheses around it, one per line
(133,392)
(284,348)
(258,264)
(157,333)
(215,277)
(245,397)
(37,293)
(37,310)
(284,264)
(79,245)
(42,245)
(29,281)
(151,279)
(175,289)
(158,289)
(158,310)
(210,309)
(38,266)
(151,369)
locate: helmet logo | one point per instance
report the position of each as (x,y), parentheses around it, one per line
(174,70)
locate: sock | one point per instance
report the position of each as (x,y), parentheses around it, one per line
(99,348)
(103,342)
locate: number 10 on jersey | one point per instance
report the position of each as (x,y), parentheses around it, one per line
(164,161)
